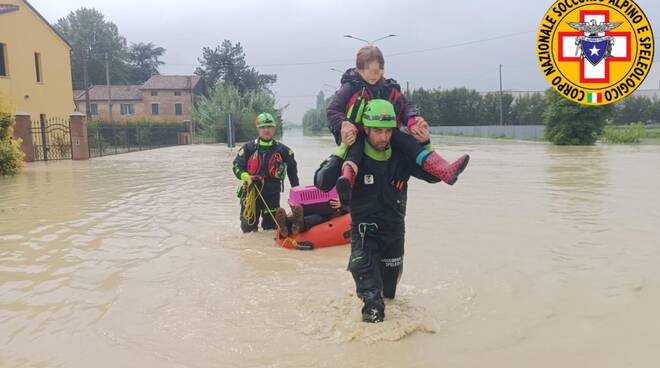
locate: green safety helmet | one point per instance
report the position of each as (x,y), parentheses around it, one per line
(265,120)
(379,114)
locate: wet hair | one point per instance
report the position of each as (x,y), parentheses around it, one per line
(367,55)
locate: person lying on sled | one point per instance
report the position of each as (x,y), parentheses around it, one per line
(300,220)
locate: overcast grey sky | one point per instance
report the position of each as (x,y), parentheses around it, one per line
(298,31)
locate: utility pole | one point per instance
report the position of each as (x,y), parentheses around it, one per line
(107,80)
(501,111)
(408,96)
(192,107)
(86,85)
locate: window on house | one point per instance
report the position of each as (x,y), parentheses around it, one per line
(93,109)
(154,93)
(3,60)
(37,66)
(154,109)
(127,109)
(178,109)
(177,93)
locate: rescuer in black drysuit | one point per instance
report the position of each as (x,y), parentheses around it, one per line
(262,165)
(378,209)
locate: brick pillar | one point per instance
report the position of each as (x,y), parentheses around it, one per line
(23,130)
(79,143)
(189,130)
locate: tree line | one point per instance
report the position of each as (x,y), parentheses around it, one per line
(95,40)
(314,120)
(467,107)
(462,106)
(235,88)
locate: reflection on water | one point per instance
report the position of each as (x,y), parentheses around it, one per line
(138,258)
(578,184)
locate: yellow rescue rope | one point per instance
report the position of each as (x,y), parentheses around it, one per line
(250,204)
(250,211)
(270,212)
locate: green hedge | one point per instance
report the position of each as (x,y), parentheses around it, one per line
(630,134)
(11,157)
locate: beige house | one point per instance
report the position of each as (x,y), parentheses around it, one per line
(126,102)
(162,98)
(35,67)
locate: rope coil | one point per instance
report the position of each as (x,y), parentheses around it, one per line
(250,210)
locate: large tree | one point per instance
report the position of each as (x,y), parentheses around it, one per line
(568,123)
(226,63)
(212,113)
(92,38)
(144,61)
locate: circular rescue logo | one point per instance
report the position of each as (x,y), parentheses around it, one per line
(595,52)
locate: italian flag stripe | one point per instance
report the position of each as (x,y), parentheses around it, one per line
(594,97)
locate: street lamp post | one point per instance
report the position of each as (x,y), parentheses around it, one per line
(370,43)
(501,111)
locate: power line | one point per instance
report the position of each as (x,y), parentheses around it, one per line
(320,62)
(461,44)
(307,63)
(298,96)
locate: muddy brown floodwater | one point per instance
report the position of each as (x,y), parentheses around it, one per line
(539,256)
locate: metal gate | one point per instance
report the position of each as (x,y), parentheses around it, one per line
(51,139)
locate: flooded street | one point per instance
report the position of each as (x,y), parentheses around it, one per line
(539,256)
